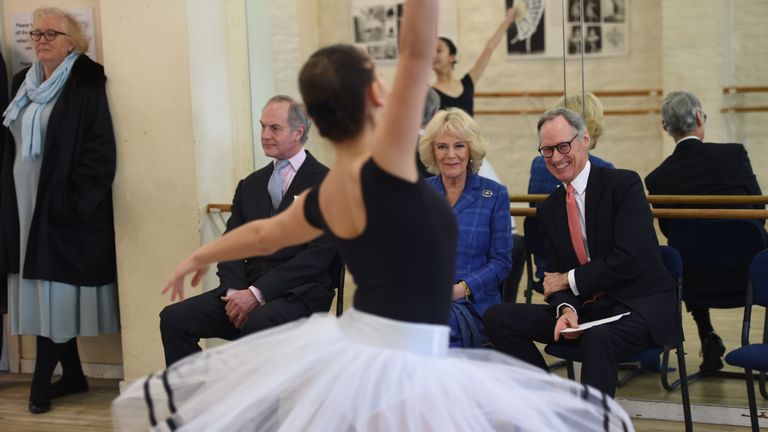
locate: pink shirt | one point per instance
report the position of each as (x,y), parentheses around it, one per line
(289,172)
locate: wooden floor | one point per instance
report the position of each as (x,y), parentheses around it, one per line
(83,412)
(90,411)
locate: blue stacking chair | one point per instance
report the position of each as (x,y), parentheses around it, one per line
(716,255)
(570,353)
(754,357)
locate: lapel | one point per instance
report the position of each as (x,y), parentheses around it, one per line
(594,193)
(471,193)
(263,203)
(305,177)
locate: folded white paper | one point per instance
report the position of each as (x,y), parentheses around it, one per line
(591,324)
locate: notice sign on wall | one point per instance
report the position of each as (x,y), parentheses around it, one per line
(22,47)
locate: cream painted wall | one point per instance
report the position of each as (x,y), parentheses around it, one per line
(105,349)
(749,44)
(262,84)
(294,37)
(157,212)
(221,110)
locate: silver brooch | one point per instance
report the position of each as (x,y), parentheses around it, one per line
(487,193)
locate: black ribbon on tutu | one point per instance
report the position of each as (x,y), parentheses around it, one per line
(151,405)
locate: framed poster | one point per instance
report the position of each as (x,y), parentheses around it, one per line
(376,26)
(538,32)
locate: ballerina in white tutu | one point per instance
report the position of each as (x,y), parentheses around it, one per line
(385,364)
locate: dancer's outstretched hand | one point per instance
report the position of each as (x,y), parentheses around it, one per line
(176,283)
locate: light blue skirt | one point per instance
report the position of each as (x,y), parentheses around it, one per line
(61,311)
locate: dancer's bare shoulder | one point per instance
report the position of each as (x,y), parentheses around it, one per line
(341,197)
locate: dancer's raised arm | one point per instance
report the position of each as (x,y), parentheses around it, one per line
(478,69)
(395,138)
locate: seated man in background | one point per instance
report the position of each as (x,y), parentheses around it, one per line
(603,259)
(261,292)
(699,168)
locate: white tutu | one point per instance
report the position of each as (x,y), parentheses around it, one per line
(360,372)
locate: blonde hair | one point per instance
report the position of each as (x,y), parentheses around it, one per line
(75,29)
(592,115)
(457,124)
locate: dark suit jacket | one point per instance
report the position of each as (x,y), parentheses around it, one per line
(625,259)
(699,168)
(297,271)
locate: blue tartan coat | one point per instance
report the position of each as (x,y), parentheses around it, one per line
(483,255)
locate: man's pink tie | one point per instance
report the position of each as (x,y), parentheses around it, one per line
(574,226)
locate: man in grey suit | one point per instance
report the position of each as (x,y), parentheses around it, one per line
(261,292)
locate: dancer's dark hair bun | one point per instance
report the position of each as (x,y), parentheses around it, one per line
(333,84)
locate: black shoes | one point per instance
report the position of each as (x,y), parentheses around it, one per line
(39,407)
(58,389)
(63,388)
(712,350)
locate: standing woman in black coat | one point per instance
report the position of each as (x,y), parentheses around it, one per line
(57,241)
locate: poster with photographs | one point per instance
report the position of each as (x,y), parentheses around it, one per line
(605,27)
(376,27)
(538,30)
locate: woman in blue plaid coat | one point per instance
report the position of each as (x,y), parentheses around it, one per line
(453,148)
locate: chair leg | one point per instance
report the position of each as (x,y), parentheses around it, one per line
(665,371)
(528,294)
(763,391)
(683,384)
(571,373)
(634,370)
(752,402)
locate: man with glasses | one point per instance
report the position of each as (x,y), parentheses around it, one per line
(699,168)
(604,261)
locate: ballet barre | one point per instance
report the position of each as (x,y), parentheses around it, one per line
(675,213)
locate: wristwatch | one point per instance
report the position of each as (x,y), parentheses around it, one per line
(467,292)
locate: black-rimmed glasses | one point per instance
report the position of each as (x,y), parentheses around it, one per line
(562,148)
(48,34)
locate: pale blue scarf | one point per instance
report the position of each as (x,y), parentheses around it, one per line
(36,93)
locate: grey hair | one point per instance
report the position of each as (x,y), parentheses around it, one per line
(431,106)
(458,124)
(574,119)
(678,113)
(75,29)
(297,114)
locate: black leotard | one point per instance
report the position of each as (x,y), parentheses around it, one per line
(403,261)
(465,101)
